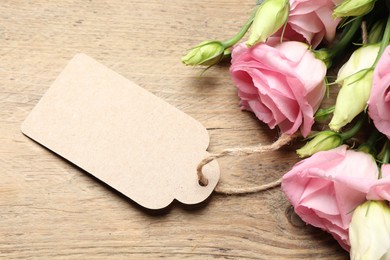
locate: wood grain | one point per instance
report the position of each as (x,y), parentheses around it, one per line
(51,209)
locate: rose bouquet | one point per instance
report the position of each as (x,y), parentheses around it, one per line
(343,184)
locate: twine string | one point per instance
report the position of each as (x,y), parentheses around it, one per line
(203,181)
(364,33)
(230,190)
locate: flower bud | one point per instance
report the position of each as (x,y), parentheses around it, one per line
(369,231)
(323,141)
(352,99)
(353,8)
(323,114)
(270,16)
(207,53)
(355,77)
(323,55)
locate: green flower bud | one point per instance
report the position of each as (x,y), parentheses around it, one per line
(369,231)
(353,8)
(322,141)
(227,53)
(323,54)
(362,58)
(322,114)
(355,77)
(352,98)
(207,53)
(270,16)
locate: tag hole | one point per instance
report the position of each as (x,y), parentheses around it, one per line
(203,182)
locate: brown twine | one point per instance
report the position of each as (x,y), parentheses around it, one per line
(364,32)
(230,190)
(203,181)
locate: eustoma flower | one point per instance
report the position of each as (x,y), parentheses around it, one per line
(369,231)
(326,187)
(270,16)
(354,8)
(323,141)
(355,76)
(206,53)
(380,190)
(283,84)
(280,77)
(379,101)
(311,21)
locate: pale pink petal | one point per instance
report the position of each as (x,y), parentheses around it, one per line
(322,199)
(244,82)
(312,21)
(312,80)
(289,127)
(293,51)
(381,189)
(306,24)
(271,82)
(330,23)
(301,7)
(385,168)
(378,103)
(326,187)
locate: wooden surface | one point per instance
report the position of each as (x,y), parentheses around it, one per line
(51,209)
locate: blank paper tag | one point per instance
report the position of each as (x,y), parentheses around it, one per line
(123,135)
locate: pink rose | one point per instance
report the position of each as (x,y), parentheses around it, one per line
(326,187)
(311,21)
(282,84)
(379,101)
(380,190)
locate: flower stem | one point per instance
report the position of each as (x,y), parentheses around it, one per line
(323,113)
(386,155)
(385,41)
(241,33)
(354,130)
(369,145)
(348,34)
(373,138)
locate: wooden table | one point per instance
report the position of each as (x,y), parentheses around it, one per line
(50,208)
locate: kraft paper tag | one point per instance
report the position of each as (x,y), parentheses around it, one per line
(123,135)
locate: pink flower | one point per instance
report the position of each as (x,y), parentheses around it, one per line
(311,21)
(325,189)
(282,84)
(380,190)
(379,101)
